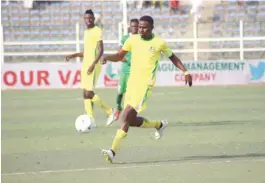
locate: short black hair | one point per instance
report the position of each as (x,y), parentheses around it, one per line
(89,12)
(135,20)
(148,19)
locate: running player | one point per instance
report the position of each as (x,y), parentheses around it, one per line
(125,69)
(93,50)
(146,51)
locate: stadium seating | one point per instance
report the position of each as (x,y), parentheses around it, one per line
(55,21)
(229,15)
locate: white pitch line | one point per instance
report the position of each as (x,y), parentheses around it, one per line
(132,166)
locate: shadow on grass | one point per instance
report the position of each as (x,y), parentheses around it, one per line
(216,123)
(207,123)
(202,158)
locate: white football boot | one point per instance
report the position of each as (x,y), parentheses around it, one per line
(160,132)
(111,118)
(108,154)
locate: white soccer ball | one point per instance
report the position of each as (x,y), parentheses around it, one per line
(83,123)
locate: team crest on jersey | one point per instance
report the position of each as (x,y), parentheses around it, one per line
(152,49)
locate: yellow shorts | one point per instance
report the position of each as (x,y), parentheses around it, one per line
(136,96)
(88,82)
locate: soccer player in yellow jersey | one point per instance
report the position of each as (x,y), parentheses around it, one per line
(93,50)
(146,51)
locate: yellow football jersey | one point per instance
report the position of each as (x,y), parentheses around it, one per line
(91,38)
(145,57)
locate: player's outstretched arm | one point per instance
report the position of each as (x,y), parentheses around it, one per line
(177,62)
(116,57)
(74,56)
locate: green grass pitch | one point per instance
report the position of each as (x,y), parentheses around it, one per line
(215,134)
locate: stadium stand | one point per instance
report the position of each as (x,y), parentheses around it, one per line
(55,21)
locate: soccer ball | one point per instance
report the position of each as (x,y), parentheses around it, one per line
(83,123)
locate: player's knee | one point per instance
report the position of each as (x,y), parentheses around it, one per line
(88,94)
(129,121)
(131,116)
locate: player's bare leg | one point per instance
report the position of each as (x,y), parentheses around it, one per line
(142,122)
(91,97)
(130,118)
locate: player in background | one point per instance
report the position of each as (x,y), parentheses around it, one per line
(125,69)
(146,51)
(93,51)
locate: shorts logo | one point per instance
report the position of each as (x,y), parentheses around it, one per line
(152,49)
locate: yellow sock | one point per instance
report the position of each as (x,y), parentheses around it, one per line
(105,107)
(88,107)
(117,140)
(150,123)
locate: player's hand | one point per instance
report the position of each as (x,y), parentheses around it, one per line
(188,79)
(103,61)
(67,58)
(91,68)
(124,59)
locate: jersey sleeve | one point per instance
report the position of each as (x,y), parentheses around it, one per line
(127,45)
(166,50)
